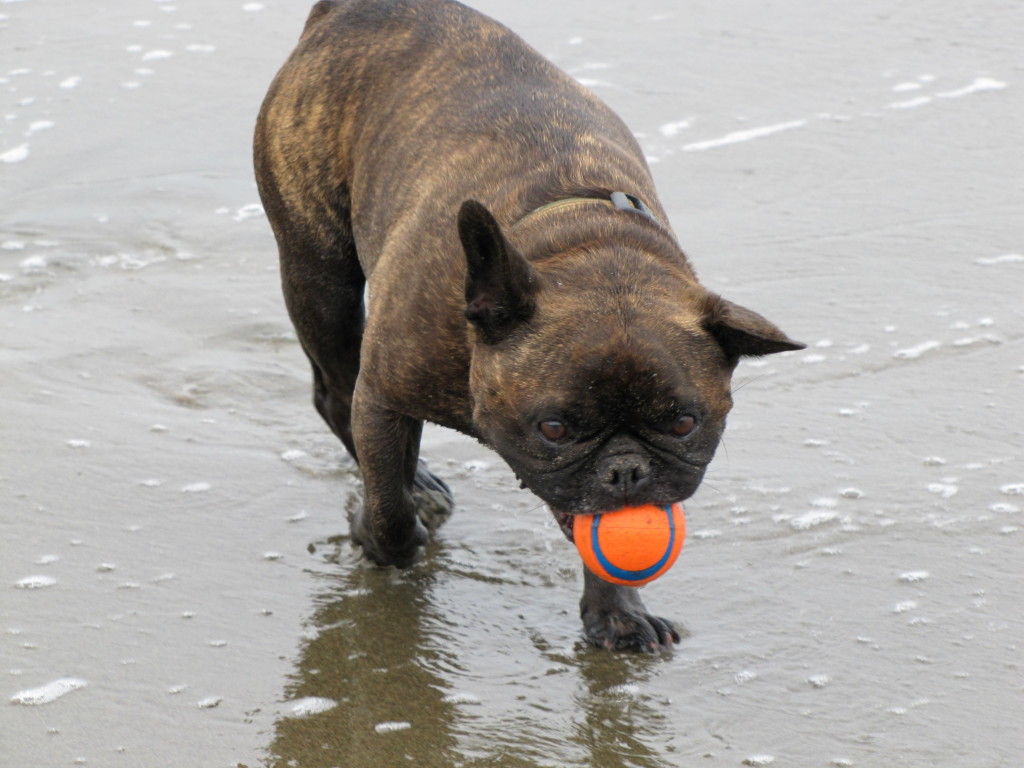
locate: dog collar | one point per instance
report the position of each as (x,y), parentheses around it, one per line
(626,202)
(619,200)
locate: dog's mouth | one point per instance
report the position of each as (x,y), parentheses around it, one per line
(565,521)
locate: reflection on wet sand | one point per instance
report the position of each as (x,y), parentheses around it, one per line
(374,652)
(380,649)
(616,727)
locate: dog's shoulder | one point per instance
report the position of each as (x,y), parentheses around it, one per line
(381,17)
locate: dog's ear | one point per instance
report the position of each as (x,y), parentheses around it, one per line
(500,283)
(742,332)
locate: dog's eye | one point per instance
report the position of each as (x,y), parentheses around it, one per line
(683,425)
(553,430)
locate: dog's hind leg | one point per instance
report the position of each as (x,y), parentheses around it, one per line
(323,290)
(323,286)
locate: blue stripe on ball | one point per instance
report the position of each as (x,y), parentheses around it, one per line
(622,573)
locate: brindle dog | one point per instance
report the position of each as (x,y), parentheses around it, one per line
(524,285)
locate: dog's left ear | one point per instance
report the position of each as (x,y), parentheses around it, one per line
(500,283)
(742,332)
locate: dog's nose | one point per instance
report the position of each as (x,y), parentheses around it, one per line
(624,475)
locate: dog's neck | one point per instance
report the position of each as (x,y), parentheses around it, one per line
(619,200)
(640,229)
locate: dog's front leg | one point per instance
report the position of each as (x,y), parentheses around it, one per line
(387,527)
(614,617)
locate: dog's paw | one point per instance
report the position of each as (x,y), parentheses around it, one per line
(614,618)
(400,551)
(640,633)
(432,498)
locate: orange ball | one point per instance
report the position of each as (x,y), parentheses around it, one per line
(632,545)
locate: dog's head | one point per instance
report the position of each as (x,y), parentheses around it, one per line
(602,378)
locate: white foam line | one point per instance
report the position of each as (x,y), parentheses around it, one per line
(15,154)
(39,125)
(35,582)
(920,101)
(248,211)
(912,353)
(391,727)
(978,86)
(311,705)
(1006,258)
(671,129)
(739,136)
(45,694)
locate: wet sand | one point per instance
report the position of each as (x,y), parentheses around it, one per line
(177,585)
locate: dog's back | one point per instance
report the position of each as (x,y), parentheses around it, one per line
(492,120)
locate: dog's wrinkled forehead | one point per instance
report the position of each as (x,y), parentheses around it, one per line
(616,371)
(619,358)
(644,369)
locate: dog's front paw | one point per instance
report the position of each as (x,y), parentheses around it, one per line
(640,633)
(614,618)
(399,548)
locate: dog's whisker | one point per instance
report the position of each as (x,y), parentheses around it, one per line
(746,381)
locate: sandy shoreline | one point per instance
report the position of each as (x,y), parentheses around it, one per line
(177,585)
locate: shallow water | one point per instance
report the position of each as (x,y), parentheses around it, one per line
(177,586)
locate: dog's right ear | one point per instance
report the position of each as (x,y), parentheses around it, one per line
(742,332)
(500,283)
